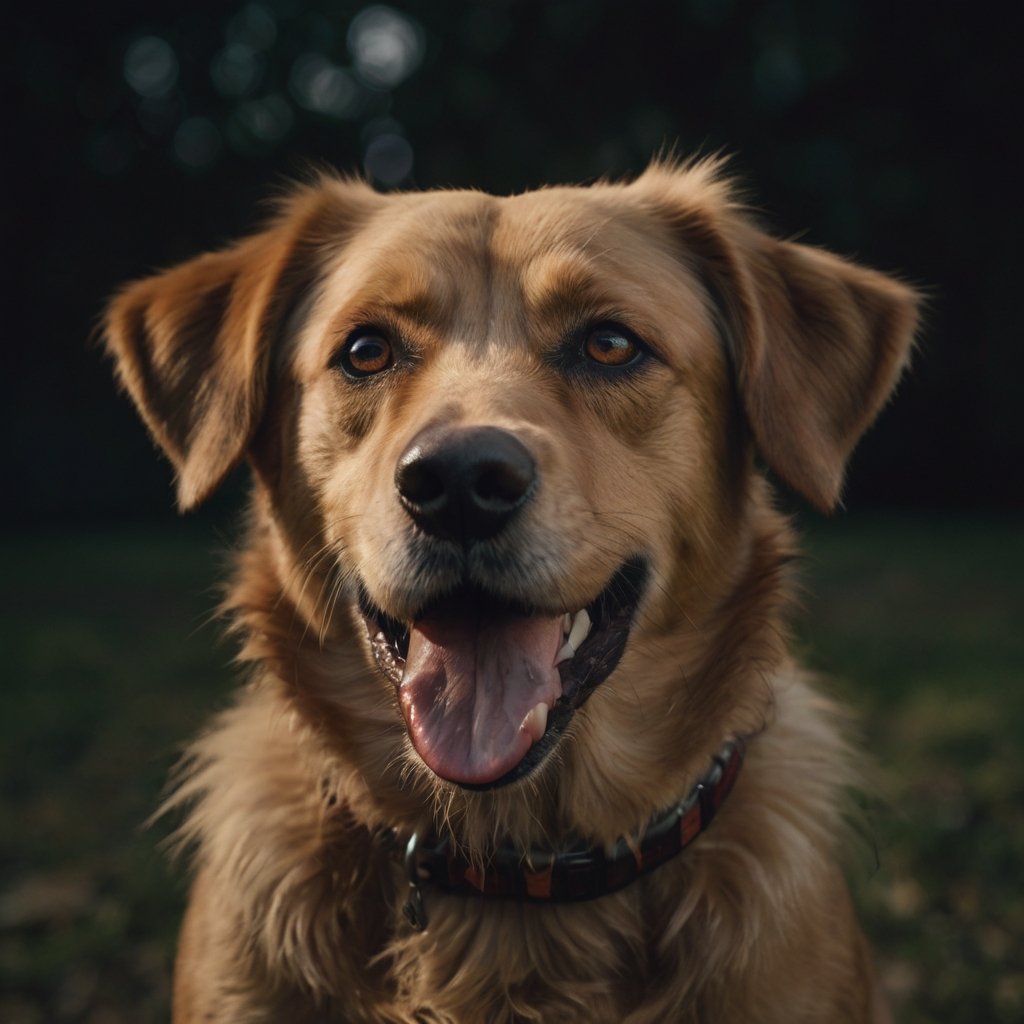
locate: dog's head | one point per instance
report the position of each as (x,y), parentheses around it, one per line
(520,434)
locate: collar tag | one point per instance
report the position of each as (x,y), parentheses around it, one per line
(415,910)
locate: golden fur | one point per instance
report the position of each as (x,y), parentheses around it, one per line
(759,345)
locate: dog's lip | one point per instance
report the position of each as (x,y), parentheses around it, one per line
(611,613)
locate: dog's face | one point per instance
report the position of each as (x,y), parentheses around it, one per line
(511,440)
(516,428)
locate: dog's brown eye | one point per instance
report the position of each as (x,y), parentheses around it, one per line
(365,354)
(610,346)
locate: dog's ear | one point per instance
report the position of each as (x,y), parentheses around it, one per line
(817,342)
(192,344)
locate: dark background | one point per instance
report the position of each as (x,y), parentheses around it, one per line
(139,134)
(142,134)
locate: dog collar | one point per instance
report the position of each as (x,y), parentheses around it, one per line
(582,872)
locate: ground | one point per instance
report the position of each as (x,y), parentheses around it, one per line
(112,661)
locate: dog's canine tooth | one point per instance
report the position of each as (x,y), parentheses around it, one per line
(536,721)
(580,629)
(565,652)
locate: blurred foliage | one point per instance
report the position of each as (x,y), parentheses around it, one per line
(142,135)
(113,664)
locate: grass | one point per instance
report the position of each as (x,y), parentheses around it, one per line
(924,618)
(113,663)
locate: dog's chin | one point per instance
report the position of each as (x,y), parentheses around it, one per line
(488,686)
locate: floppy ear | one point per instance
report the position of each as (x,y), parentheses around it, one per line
(817,342)
(818,345)
(192,345)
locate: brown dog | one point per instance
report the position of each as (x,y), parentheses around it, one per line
(513,598)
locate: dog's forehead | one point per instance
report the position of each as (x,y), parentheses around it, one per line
(517,227)
(447,257)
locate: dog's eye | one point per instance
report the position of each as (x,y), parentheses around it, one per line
(611,346)
(365,353)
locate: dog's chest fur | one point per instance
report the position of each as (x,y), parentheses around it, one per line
(323,897)
(319,884)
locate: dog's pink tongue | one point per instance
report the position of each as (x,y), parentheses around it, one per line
(471,676)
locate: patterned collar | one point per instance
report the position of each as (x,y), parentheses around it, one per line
(581,872)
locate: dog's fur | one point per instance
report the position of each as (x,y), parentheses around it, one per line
(757,346)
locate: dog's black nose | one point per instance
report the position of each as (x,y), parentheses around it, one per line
(465,484)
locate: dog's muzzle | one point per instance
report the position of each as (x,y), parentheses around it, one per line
(488,682)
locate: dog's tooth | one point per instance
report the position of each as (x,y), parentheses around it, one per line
(566,623)
(565,652)
(580,629)
(536,721)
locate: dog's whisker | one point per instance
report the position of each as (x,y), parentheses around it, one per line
(341,585)
(318,606)
(304,573)
(336,585)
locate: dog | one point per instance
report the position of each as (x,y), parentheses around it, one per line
(522,738)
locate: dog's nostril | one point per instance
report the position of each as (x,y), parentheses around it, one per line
(418,480)
(500,484)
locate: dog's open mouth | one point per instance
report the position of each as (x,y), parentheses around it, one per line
(487,686)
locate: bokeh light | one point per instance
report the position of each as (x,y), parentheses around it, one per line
(151,67)
(389,158)
(253,27)
(265,77)
(257,124)
(386,46)
(318,84)
(237,70)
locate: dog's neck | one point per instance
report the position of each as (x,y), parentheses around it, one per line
(581,871)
